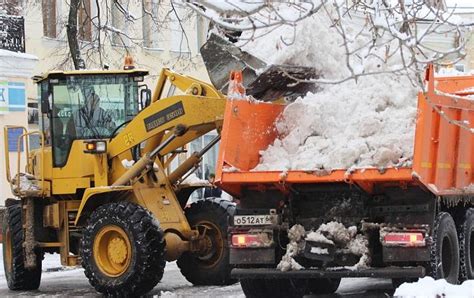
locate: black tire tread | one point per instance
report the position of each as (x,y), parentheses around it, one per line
(463,230)
(20,278)
(443,221)
(150,251)
(217,210)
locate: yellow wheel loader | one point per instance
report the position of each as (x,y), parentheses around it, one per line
(99,190)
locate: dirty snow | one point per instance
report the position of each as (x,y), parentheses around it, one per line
(345,240)
(193,179)
(428,287)
(319,251)
(296,234)
(365,123)
(318,237)
(27,183)
(127,163)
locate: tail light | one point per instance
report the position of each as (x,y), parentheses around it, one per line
(408,239)
(251,240)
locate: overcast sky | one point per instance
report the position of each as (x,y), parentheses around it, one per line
(460,3)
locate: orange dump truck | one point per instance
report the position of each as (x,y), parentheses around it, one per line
(412,221)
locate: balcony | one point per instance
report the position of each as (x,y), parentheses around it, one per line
(12,33)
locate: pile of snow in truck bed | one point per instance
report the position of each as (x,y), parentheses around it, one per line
(365,123)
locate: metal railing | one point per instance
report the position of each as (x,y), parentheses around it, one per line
(12,33)
(24,136)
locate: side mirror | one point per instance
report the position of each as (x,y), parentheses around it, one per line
(45,106)
(145,98)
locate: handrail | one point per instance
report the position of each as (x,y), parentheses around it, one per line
(27,151)
(7,154)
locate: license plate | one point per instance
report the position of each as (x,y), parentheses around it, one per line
(254,220)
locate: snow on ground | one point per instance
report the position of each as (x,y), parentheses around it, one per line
(73,283)
(365,123)
(428,287)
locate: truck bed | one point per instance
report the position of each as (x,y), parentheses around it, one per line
(443,158)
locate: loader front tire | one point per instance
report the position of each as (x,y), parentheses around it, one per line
(17,276)
(210,266)
(123,250)
(444,249)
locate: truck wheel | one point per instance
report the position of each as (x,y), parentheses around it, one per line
(254,288)
(277,288)
(445,249)
(211,266)
(466,245)
(396,282)
(123,250)
(323,285)
(18,277)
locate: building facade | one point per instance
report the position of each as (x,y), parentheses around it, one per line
(155,33)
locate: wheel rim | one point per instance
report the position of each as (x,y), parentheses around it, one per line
(8,251)
(213,243)
(446,257)
(112,250)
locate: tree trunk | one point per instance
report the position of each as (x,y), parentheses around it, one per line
(72,35)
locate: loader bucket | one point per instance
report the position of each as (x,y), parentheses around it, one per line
(262,81)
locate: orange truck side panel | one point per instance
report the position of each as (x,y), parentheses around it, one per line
(443,152)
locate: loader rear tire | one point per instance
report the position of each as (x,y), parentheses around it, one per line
(444,249)
(123,250)
(17,276)
(466,245)
(212,266)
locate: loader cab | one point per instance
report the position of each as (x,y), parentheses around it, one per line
(81,105)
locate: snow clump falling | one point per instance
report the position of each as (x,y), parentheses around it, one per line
(364,123)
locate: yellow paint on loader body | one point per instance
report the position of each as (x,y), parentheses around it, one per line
(84,182)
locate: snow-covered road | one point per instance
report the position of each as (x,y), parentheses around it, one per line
(72,282)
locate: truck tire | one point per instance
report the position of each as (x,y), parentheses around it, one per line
(17,276)
(277,288)
(466,245)
(396,282)
(254,288)
(291,288)
(212,266)
(444,251)
(123,250)
(323,285)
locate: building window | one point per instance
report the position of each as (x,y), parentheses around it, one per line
(179,41)
(48,8)
(13,136)
(121,20)
(10,7)
(152,32)
(84,21)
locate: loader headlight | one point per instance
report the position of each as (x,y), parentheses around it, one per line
(95,146)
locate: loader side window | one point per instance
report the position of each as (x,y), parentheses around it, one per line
(89,107)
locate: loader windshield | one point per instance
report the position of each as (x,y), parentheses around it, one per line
(89,107)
